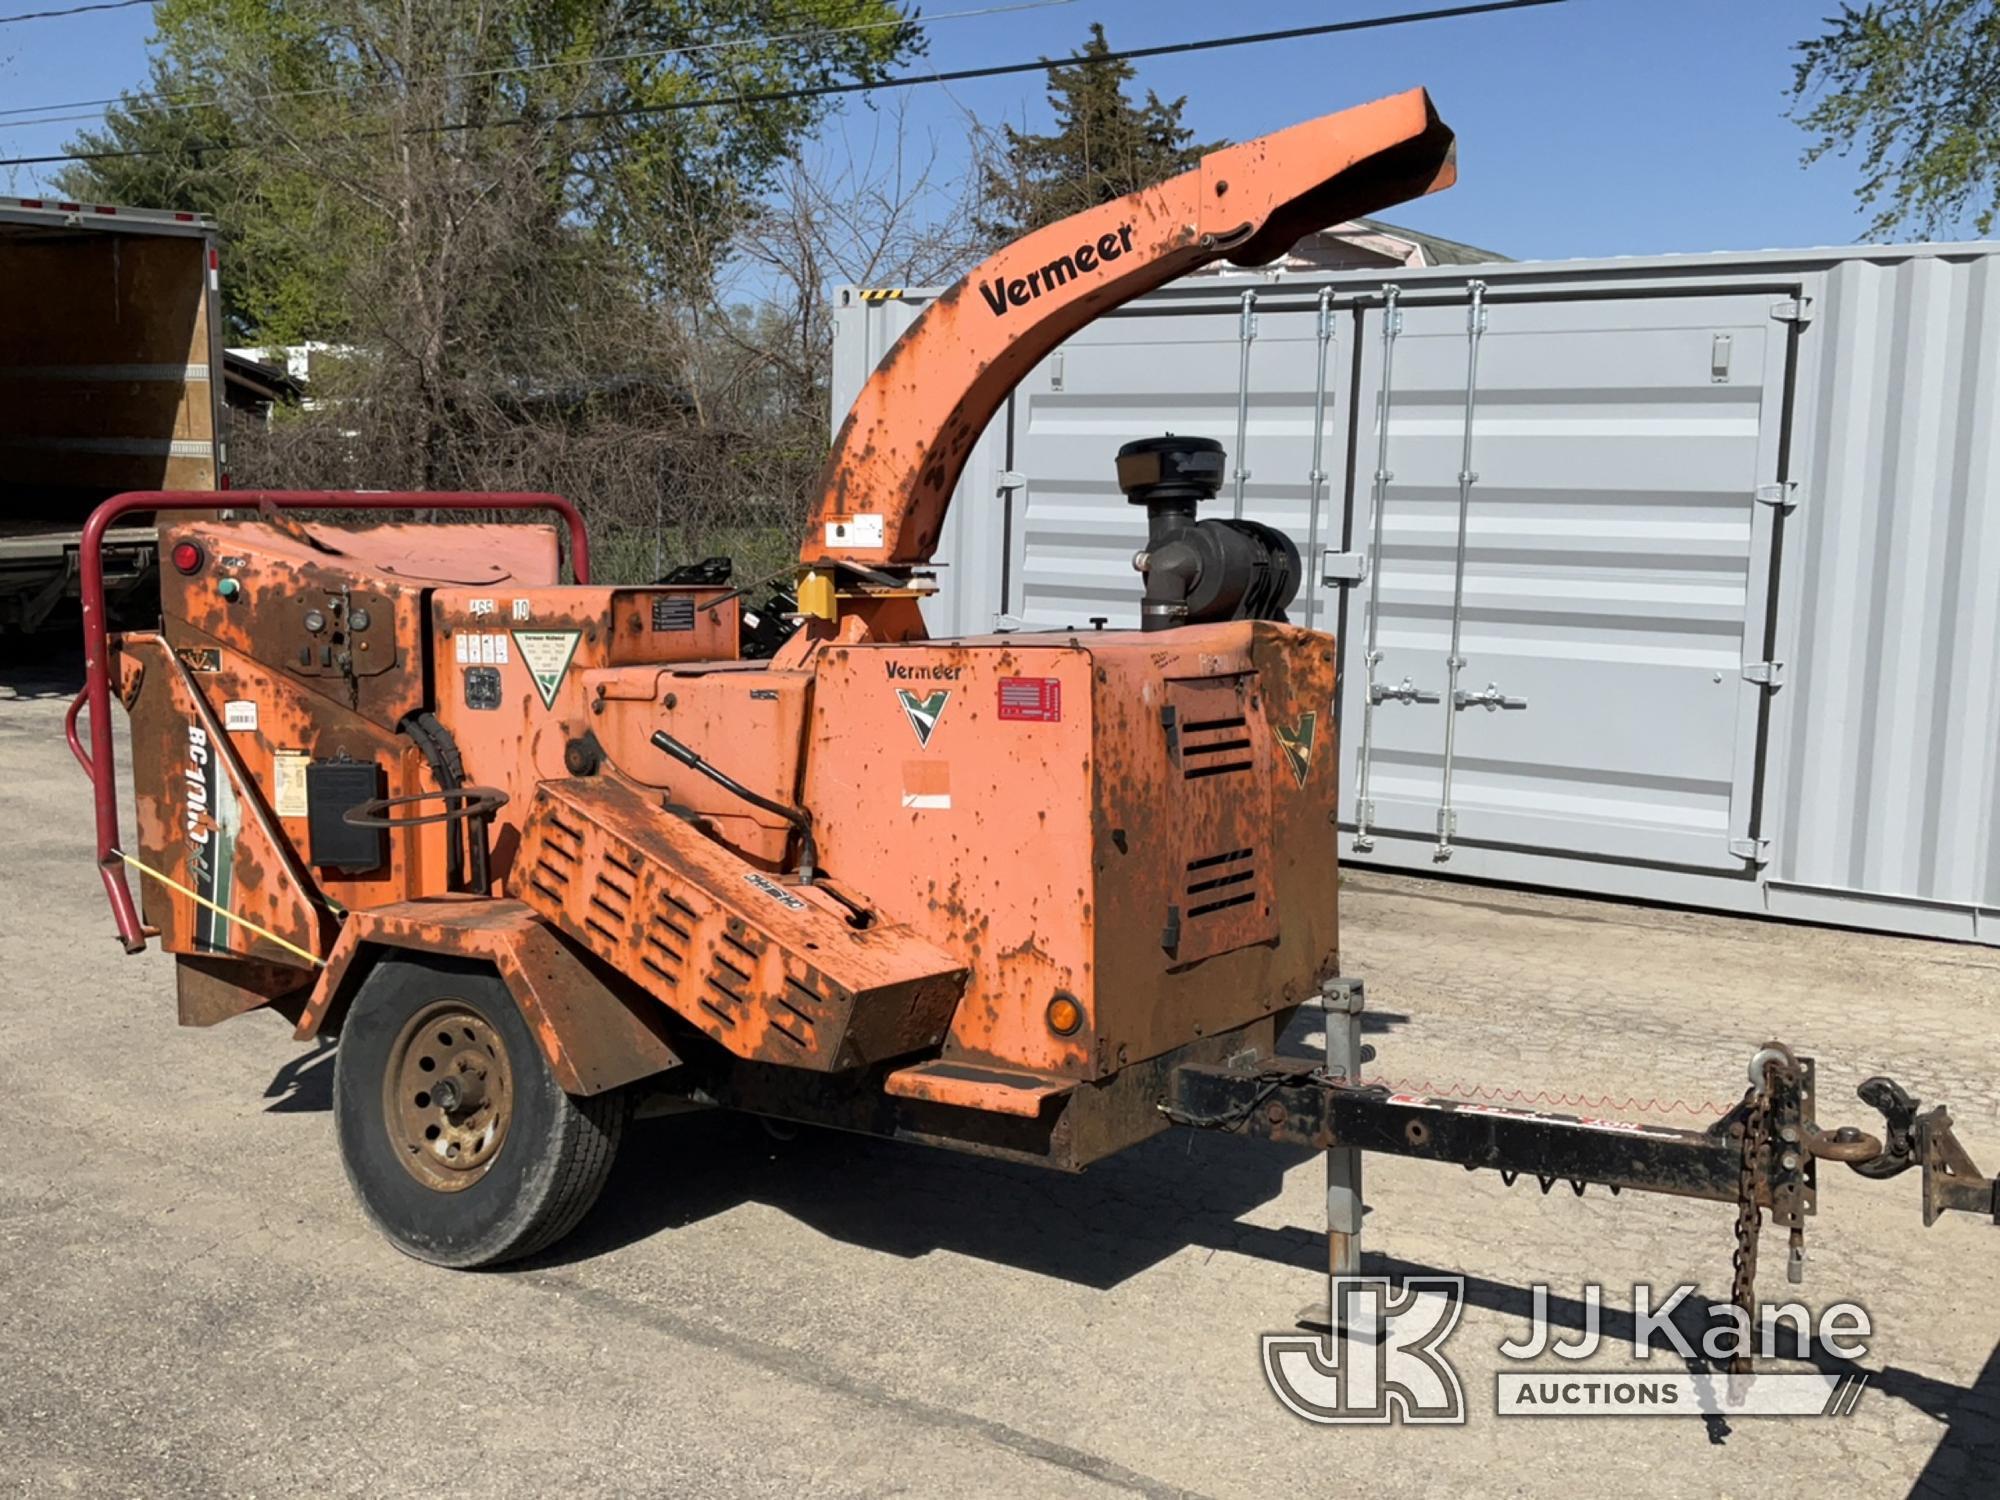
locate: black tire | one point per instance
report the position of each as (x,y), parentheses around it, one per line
(534,1183)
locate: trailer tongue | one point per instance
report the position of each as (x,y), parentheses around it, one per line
(1762,1156)
(534,850)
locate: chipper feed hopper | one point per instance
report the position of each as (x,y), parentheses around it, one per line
(533,850)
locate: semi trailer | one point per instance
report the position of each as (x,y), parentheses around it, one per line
(110,380)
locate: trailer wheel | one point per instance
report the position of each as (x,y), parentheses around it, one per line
(457,1139)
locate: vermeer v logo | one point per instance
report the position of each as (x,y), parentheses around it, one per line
(924,712)
(1297,743)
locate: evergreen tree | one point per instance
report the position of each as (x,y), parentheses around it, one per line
(1103,147)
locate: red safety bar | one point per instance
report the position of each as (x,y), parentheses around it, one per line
(97,761)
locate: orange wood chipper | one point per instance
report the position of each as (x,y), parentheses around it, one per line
(534,850)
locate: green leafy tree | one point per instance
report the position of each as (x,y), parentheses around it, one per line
(1914,85)
(310,128)
(1103,147)
(514,214)
(172,148)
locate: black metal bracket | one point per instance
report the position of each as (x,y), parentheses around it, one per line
(1290,1100)
(1952,1182)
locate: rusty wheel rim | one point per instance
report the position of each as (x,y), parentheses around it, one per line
(448,1096)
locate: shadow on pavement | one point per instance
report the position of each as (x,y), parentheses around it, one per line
(303,1085)
(49,665)
(1097,1229)
(1967,1462)
(1179,1189)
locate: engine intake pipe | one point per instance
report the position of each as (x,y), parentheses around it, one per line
(1197,570)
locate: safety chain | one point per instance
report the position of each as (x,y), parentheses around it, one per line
(1756,1129)
(1535,1099)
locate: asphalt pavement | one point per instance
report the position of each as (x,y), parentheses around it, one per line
(192,1304)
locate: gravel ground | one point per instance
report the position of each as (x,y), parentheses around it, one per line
(193,1305)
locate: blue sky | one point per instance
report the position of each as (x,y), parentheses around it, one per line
(1596,127)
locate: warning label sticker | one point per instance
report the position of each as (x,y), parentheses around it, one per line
(546,654)
(1033,698)
(477,648)
(288,783)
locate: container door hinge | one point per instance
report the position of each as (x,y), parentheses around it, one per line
(1343,567)
(1758,850)
(1010,479)
(1793,310)
(1766,674)
(1784,494)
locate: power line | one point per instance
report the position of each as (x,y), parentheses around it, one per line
(999,70)
(827,90)
(73,10)
(198,99)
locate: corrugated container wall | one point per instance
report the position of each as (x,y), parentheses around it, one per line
(1887,782)
(1730,593)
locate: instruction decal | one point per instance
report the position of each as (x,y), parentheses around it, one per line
(474,648)
(673,611)
(546,654)
(200,658)
(1035,699)
(924,712)
(863,530)
(1296,741)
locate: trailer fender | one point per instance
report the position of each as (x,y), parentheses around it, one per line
(594,1038)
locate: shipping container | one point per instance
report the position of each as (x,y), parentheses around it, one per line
(1728,589)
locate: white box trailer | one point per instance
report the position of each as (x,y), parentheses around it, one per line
(110,380)
(1732,539)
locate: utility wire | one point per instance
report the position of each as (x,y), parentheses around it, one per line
(74,10)
(826,90)
(198,98)
(998,70)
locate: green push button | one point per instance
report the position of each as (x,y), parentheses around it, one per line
(229,588)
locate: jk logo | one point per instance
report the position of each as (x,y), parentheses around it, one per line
(1356,1374)
(924,712)
(1297,743)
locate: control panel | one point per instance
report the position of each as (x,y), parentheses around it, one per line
(349,633)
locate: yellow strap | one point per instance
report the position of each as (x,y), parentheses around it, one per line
(200,900)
